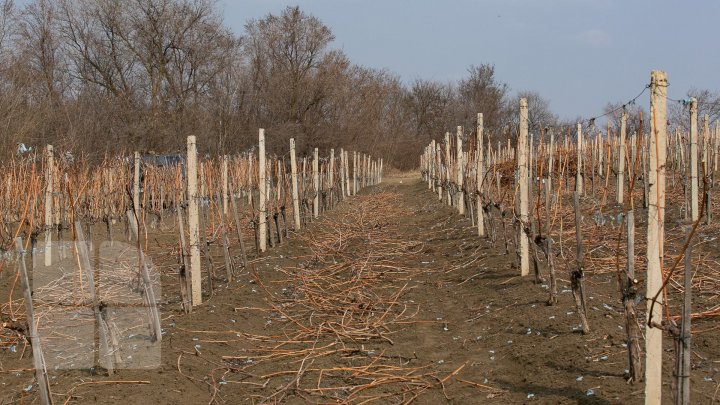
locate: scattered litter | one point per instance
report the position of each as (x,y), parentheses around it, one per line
(552,317)
(531,396)
(608,307)
(509,342)
(589,392)
(579,378)
(28,388)
(603,357)
(13,349)
(529,332)
(708,379)
(441,361)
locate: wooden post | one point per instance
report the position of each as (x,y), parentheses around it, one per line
(193,222)
(49,169)
(459,172)
(295,195)
(224,185)
(262,187)
(685,339)
(341,173)
(355,173)
(38,358)
(655,238)
(136,191)
(251,178)
(316,184)
(621,158)
(694,203)
(439,172)
(523,179)
(480,175)
(347,173)
(548,198)
(448,168)
(579,175)
(331,177)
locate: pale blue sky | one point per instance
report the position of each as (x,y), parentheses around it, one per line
(579,54)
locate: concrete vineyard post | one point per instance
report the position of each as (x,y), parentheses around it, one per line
(49,169)
(262,187)
(331,177)
(480,175)
(294,180)
(193,222)
(694,206)
(459,172)
(655,236)
(522,154)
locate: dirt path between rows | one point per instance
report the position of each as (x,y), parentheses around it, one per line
(390,298)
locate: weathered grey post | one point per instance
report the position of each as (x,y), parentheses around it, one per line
(439,172)
(38,358)
(480,175)
(347,173)
(262,187)
(621,158)
(448,168)
(225,185)
(655,238)
(331,177)
(294,180)
(193,222)
(342,172)
(136,192)
(694,205)
(316,184)
(579,170)
(459,172)
(251,177)
(523,179)
(49,169)
(355,173)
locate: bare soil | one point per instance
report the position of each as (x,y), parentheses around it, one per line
(434,315)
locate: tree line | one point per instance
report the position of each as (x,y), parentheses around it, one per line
(100,77)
